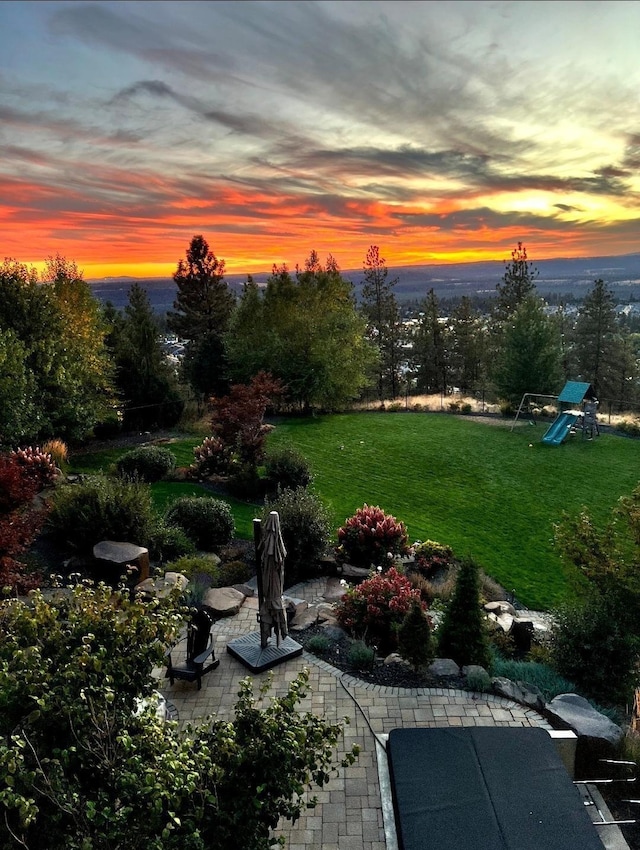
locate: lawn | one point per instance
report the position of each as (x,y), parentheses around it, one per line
(488,492)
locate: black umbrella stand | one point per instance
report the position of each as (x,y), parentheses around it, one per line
(255,650)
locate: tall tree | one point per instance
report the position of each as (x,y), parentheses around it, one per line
(246,339)
(517,283)
(467,347)
(380,307)
(66,366)
(430,348)
(595,339)
(201,315)
(529,361)
(146,380)
(311,336)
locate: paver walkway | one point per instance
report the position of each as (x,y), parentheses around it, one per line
(349,813)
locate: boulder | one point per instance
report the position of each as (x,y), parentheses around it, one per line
(223,601)
(521,692)
(334,632)
(325,611)
(444,667)
(355,573)
(334,590)
(306,618)
(245,589)
(598,736)
(500,607)
(115,559)
(293,607)
(395,658)
(162,587)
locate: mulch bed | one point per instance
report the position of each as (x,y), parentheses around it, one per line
(388,675)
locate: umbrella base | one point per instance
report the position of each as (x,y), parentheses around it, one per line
(248,651)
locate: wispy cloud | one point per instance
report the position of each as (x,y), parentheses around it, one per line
(278,126)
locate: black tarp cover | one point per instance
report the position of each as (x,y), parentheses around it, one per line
(484,788)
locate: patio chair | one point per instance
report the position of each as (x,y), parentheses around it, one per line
(200,657)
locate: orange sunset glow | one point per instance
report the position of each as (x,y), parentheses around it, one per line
(274,129)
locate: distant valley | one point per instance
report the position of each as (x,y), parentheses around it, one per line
(557,278)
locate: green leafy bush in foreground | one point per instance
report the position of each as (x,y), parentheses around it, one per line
(77,772)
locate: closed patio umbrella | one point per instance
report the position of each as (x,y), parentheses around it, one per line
(271,613)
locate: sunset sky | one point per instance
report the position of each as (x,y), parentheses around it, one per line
(439,131)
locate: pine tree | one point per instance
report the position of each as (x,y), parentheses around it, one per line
(529,360)
(384,326)
(415,641)
(201,315)
(430,348)
(517,284)
(145,379)
(467,347)
(595,340)
(463,635)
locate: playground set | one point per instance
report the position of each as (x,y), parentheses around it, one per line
(578,412)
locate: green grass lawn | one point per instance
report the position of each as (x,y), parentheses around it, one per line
(488,492)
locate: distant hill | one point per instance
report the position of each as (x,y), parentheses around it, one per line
(574,276)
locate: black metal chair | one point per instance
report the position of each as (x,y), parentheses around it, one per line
(200,657)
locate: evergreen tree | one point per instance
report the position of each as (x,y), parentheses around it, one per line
(146,380)
(467,347)
(518,282)
(596,340)
(201,316)
(415,641)
(529,360)
(463,633)
(385,329)
(430,357)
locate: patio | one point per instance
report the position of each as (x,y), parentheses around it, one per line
(349,815)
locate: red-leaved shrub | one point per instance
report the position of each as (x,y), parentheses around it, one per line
(374,610)
(371,537)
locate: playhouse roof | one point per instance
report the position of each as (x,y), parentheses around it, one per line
(574,392)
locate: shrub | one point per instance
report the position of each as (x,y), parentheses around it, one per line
(465,408)
(541,676)
(454,407)
(395,407)
(593,646)
(197,565)
(306,530)
(371,537)
(211,458)
(431,556)
(479,681)
(360,655)
(286,468)
(147,463)
(463,633)
(318,644)
(233,572)
(102,508)
(415,641)
(244,482)
(37,464)
(19,523)
(375,609)
(168,542)
(207,522)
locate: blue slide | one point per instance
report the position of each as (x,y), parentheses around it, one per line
(559,430)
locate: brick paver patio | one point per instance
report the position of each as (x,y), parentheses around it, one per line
(349,814)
